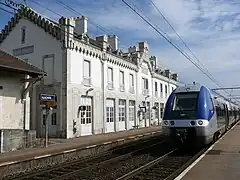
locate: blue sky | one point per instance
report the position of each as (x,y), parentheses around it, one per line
(211,28)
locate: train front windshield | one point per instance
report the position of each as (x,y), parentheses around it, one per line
(185,106)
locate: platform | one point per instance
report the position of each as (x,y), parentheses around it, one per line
(220,162)
(70,148)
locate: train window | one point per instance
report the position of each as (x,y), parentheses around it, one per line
(185,102)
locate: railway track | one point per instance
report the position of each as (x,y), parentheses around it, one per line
(115,168)
(71,168)
(166,167)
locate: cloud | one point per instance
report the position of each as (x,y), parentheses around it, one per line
(211,28)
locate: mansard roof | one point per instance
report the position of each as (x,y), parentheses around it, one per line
(14,64)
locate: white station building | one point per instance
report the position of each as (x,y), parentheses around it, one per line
(99,88)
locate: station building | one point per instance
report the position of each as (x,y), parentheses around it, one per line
(99,88)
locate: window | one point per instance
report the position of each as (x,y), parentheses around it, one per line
(86,112)
(145,86)
(185,106)
(161,90)
(110,110)
(23,35)
(122,110)
(156,89)
(87,72)
(121,81)
(131,110)
(131,80)
(145,83)
(110,77)
(131,83)
(86,116)
(54,118)
(166,91)
(185,102)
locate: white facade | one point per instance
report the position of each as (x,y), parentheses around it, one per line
(99,88)
(12,115)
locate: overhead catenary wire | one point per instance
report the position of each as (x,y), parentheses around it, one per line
(90,21)
(175,46)
(6,11)
(165,19)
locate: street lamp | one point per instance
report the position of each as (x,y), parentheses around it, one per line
(89,90)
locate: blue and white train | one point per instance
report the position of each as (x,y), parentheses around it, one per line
(194,114)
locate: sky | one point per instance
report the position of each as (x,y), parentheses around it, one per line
(210,28)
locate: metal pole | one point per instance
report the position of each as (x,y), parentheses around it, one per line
(46,128)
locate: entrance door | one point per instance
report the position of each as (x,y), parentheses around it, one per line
(131,117)
(122,114)
(86,116)
(51,122)
(110,115)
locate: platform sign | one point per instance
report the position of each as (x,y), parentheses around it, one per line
(48,100)
(47,97)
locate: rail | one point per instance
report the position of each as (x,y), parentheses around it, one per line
(165,167)
(67,169)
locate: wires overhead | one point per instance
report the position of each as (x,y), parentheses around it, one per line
(165,19)
(90,21)
(169,41)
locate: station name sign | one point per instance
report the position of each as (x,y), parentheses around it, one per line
(47,97)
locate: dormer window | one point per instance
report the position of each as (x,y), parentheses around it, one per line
(23,35)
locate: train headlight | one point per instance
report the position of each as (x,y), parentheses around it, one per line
(172,123)
(192,123)
(166,123)
(200,122)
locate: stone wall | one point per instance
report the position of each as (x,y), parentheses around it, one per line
(15,139)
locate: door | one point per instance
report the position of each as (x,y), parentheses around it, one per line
(53,123)
(51,119)
(131,117)
(110,115)
(122,115)
(86,116)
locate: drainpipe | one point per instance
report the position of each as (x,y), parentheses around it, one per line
(153,96)
(103,92)
(136,124)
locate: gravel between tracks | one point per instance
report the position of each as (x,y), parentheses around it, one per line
(115,169)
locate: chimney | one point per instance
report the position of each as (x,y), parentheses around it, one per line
(113,41)
(167,73)
(132,49)
(81,25)
(103,40)
(175,76)
(153,61)
(143,47)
